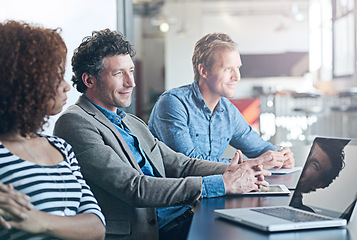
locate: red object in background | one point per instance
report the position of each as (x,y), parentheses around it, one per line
(250,109)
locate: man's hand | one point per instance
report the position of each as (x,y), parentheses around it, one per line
(283,158)
(290,162)
(242,177)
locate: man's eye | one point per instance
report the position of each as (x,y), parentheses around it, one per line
(316,166)
(118,73)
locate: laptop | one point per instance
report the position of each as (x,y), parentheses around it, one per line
(325,195)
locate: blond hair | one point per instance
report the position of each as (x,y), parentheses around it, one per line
(205,49)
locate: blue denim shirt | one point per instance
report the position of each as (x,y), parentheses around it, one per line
(183,121)
(212,186)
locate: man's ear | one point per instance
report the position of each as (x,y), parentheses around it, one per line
(202,70)
(88,80)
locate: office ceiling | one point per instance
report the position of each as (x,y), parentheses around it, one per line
(233,7)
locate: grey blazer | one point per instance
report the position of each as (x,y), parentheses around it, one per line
(127,197)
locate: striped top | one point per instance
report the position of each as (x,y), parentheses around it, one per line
(58,190)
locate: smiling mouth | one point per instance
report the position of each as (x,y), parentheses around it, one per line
(125,93)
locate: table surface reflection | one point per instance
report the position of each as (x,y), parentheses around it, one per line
(206,225)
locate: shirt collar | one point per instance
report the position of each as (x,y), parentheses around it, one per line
(199,98)
(115,118)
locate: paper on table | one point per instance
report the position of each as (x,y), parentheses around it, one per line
(270,190)
(283,171)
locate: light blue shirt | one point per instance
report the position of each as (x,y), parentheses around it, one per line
(183,121)
(212,186)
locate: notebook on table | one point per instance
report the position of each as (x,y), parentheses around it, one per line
(325,195)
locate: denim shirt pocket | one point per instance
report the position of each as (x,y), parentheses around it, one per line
(200,139)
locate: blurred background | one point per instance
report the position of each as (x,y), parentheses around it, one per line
(299,73)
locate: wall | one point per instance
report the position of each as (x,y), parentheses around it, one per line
(149,45)
(76,18)
(179,48)
(254,33)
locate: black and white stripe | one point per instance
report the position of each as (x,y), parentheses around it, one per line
(51,188)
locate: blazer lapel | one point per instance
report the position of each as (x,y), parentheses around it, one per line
(100,117)
(145,147)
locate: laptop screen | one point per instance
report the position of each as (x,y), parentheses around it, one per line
(327,184)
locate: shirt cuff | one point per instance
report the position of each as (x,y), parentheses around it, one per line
(213,186)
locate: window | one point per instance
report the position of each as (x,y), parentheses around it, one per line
(344,38)
(333,39)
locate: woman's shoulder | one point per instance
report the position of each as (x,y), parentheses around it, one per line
(60,144)
(54,139)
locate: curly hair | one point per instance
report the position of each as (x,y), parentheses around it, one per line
(32,61)
(205,49)
(88,57)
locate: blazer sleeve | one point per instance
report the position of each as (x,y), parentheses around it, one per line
(104,163)
(176,164)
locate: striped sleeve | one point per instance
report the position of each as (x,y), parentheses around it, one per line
(88,203)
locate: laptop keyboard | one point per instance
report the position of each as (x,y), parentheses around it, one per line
(290,214)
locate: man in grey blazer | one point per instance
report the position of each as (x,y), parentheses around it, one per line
(144,188)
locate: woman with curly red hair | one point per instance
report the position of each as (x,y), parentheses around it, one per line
(42,192)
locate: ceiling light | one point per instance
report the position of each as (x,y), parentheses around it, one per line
(164,27)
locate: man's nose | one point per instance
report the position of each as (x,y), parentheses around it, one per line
(129,81)
(236,74)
